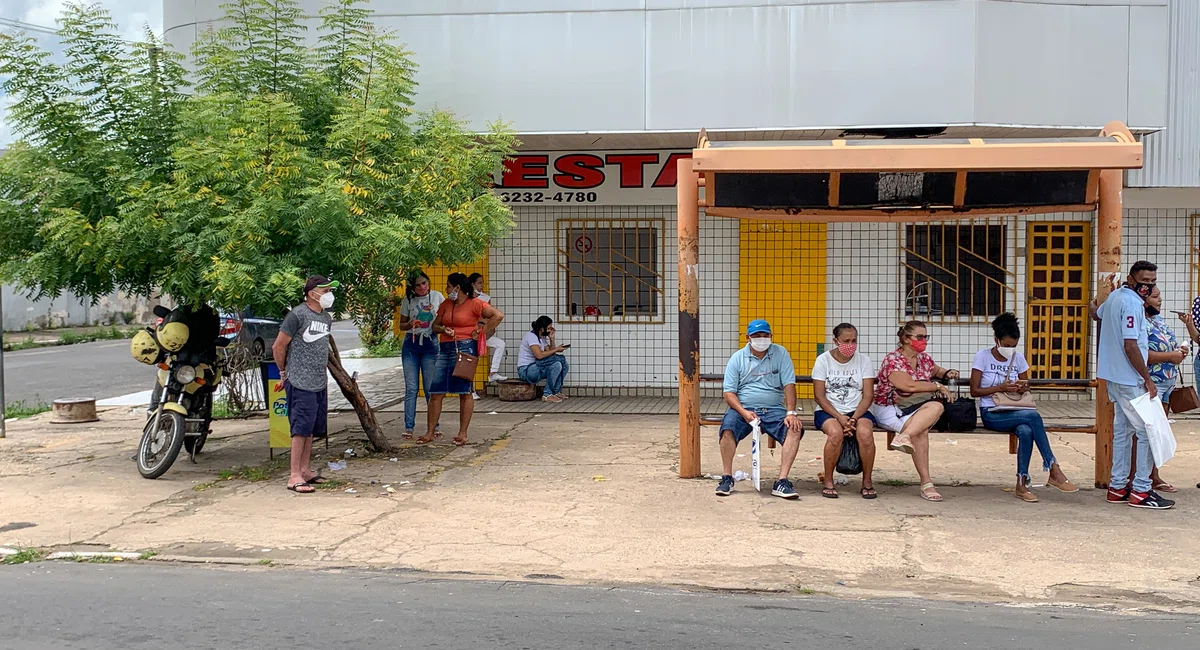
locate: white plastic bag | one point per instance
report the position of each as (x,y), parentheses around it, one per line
(1158,430)
(755,436)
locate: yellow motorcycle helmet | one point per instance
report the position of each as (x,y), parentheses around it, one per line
(144,348)
(173,336)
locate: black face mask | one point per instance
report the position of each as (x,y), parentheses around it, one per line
(1142,289)
(1152,312)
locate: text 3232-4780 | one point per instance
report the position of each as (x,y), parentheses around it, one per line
(547,197)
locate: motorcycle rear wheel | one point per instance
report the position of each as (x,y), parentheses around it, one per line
(159,449)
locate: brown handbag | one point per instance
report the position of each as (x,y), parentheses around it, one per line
(465,366)
(1184,399)
(1013,401)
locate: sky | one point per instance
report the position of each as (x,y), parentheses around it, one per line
(131,17)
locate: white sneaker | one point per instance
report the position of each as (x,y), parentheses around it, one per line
(475,395)
(495,376)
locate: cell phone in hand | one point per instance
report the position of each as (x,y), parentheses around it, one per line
(565,345)
(1181,313)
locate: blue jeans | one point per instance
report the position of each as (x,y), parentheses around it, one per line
(552,368)
(420,359)
(1030,430)
(1164,389)
(1127,423)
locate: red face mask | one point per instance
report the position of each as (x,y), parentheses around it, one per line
(847,349)
(919,345)
(422,290)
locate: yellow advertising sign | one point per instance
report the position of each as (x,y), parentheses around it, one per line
(277,410)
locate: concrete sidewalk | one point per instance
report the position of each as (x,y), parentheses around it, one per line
(584,497)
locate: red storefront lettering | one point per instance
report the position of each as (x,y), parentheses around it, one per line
(579,171)
(633,166)
(525,171)
(670,171)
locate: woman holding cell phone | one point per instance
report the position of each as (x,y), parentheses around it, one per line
(541,358)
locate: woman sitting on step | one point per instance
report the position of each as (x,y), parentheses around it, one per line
(539,358)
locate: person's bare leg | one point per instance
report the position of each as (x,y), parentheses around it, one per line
(917,428)
(728,451)
(298,462)
(866,450)
(791,446)
(834,436)
(306,464)
(466,408)
(432,418)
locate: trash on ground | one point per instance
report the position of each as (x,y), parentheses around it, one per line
(741,455)
(351,491)
(494,413)
(599,477)
(390,489)
(840,479)
(741,476)
(951,441)
(349,453)
(394,460)
(404,483)
(337,465)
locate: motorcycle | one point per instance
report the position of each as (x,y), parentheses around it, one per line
(180,412)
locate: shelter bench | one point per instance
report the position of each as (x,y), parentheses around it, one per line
(715,420)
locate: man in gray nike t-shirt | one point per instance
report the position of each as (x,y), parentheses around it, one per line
(302,352)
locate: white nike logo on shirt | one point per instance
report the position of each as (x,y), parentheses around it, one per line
(313,337)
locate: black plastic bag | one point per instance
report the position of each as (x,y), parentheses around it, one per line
(849,462)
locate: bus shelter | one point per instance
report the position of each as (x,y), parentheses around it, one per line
(894,181)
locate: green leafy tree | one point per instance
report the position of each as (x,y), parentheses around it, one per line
(286,160)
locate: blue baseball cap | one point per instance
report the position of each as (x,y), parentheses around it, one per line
(758,327)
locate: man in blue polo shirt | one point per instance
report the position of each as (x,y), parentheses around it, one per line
(760,384)
(1121,362)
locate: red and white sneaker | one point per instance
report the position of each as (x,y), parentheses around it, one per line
(1151,500)
(1118,496)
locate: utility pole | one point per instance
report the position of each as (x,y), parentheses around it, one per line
(2,402)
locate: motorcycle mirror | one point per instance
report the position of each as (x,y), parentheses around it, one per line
(161,311)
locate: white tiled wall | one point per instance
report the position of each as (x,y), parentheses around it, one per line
(863,287)
(523,285)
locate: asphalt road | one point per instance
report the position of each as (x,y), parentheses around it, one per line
(101,370)
(98,607)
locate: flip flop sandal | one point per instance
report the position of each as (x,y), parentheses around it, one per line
(407,435)
(459,443)
(868,493)
(296,488)
(317,480)
(829,493)
(1163,486)
(935,497)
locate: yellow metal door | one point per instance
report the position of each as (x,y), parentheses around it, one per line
(782,279)
(1057,319)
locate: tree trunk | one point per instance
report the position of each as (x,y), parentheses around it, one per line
(366,415)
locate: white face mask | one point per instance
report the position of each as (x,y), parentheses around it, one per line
(453,295)
(1007,353)
(326,300)
(760,344)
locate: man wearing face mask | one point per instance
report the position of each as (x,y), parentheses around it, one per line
(1121,363)
(302,352)
(760,384)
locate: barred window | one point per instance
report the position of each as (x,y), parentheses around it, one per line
(610,270)
(955,271)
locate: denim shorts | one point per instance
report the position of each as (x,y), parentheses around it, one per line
(772,420)
(821,417)
(308,411)
(444,382)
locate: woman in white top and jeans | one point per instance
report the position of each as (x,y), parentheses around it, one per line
(419,351)
(1002,369)
(540,359)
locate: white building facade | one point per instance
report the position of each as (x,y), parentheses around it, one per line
(607,94)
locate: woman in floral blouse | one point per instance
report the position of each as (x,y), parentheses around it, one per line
(1164,359)
(905,399)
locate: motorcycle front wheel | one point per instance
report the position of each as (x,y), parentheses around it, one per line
(160,446)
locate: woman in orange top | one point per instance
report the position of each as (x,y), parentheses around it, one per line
(460,320)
